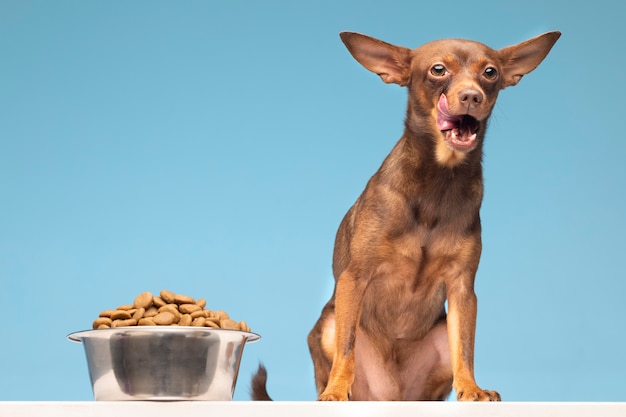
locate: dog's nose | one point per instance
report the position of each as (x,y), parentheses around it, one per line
(470,97)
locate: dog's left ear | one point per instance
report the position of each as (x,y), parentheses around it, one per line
(392,63)
(518,60)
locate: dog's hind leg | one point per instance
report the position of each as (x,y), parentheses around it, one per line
(417,370)
(321,342)
(427,372)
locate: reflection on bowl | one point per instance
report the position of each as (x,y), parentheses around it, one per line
(163,362)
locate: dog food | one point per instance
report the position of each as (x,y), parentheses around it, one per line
(167,309)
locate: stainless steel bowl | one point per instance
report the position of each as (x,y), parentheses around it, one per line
(163,363)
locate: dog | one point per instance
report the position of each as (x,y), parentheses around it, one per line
(412,240)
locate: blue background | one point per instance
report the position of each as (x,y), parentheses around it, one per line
(212,148)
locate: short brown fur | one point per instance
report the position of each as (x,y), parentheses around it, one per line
(412,240)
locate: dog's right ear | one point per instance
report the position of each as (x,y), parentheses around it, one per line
(392,63)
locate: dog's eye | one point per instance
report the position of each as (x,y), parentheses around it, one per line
(491,73)
(438,70)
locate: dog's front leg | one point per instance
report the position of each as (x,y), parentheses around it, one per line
(348,300)
(462,308)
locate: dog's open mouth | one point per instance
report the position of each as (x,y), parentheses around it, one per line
(459,130)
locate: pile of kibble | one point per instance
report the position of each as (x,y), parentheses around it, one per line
(167,309)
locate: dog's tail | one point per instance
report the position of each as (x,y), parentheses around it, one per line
(258,390)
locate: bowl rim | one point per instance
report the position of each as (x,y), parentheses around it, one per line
(105,333)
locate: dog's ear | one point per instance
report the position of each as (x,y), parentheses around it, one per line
(518,60)
(392,63)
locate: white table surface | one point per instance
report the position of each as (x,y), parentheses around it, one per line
(308,409)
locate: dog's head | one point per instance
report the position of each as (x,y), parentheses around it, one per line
(453,83)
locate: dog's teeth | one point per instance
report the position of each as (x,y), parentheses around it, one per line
(473,137)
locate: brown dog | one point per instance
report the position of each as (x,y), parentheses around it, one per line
(412,240)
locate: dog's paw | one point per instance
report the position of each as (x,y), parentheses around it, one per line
(332,396)
(477,395)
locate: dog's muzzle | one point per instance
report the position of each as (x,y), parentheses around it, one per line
(460,130)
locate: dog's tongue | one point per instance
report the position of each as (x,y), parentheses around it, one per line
(460,129)
(445,120)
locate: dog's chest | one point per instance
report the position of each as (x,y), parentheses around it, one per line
(402,308)
(407,292)
(398,296)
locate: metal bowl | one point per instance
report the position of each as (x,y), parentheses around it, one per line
(163,363)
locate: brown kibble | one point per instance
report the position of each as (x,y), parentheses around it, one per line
(143,300)
(151,312)
(211,323)
(167,309)
(164,318)
(184,299)
(220,314)
(146,321)
(185,320)
(198,321)
(188,308)
(139,313)
(168,296)
(196,314)
(229,324)
(215,321)
(158,301)
(102,321)
(120,315)
(172,308)
(124,323)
